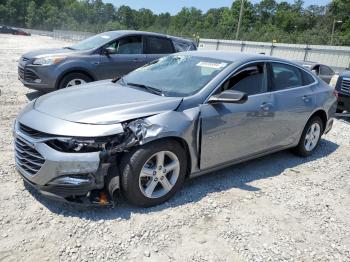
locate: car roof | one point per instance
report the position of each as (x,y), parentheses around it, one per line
(235,56)
(129,32)
(309,63)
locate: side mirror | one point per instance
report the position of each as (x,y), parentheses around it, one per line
(229,96)
(109,51)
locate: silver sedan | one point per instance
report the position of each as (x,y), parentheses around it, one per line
(183,115)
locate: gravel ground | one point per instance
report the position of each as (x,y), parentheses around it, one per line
(276,208)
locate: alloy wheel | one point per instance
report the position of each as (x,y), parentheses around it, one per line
(75,82)
(159,174)
(312,136)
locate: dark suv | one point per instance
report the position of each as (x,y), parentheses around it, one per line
(341,84)
(103,56)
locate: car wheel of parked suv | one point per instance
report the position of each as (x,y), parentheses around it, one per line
(74,79)
(310,137)
(151,174)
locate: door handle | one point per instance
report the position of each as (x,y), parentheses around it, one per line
(136,60)
(265,106)
(306,98)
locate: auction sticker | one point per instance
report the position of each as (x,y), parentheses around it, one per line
(212,65)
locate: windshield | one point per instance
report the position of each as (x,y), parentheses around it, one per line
(94,41)
(177,75)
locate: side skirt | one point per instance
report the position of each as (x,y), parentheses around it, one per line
(240,160)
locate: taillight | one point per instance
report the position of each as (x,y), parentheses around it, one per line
(335,93)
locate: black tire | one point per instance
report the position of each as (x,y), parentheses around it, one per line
(339,111)
(132,163)
(300,149)
(66,79)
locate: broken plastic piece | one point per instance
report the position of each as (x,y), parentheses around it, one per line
(103,199)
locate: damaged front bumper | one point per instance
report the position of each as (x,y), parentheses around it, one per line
(73,177)
(73,174)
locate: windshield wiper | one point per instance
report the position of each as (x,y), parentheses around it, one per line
(68,47)
(148,88)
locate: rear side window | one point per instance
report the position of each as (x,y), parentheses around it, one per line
(285,76)
(181,47)
(158,45)
(307,78)
(325,70)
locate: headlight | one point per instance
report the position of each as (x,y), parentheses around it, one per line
(45,61)
(84,145)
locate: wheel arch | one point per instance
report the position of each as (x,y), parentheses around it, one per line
(183,144)
(321,114)
(71,71)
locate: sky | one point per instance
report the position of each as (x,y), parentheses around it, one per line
(174,6)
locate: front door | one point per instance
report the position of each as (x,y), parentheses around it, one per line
(128,56)
(235,131)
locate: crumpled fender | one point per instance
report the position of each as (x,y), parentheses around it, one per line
(183,125)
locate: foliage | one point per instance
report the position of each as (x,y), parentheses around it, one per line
(267,20)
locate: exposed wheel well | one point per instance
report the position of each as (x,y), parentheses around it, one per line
(321,114)
(184,145)
(71,72)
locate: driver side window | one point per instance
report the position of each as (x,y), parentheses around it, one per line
(128,45)
(250,79)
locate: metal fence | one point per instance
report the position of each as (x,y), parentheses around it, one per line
(71,35)
(38,32)
(337,57)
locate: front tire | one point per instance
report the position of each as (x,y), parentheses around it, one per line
(74,79)
(339,111)
(153,173)
(310,137)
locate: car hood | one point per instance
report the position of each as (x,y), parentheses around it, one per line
(103,102)
(50,52)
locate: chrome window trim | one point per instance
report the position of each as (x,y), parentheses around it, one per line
(270,92)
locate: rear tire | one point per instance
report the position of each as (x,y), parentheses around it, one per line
(145,180)
(310,137)
(77,78)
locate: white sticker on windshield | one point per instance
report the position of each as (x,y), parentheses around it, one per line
(212,65)
(105,36)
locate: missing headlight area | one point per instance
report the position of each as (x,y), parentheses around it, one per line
(89,174)
(137,132)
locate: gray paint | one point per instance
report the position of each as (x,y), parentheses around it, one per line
(216,135)
(91,62)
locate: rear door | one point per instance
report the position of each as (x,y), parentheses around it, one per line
(129,55)
(294,101)
(157,47)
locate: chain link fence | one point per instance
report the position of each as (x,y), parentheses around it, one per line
(337,57)
(73,36)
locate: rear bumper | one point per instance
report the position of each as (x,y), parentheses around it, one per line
(329,125)
(343,102)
